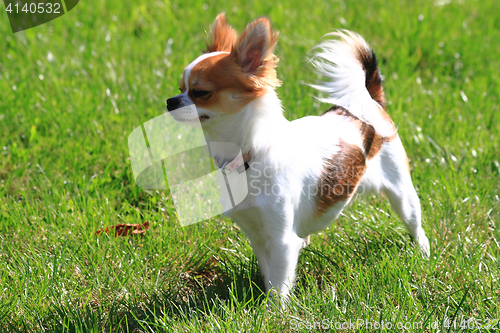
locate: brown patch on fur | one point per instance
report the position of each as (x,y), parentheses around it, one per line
(368,60)
(343,172)
(254,51)
(237,78)
(229,90)
(387,118)
(372,141)
(341,111)
(373,83)
(377,143)
(223,36)
(341,176)
(182,85)
(373,79)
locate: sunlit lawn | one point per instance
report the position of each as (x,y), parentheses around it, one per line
(72,90)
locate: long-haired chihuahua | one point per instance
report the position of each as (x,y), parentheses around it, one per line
(302,173)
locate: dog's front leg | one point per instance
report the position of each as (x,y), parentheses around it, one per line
(275,244)
(282,257)
(277,252)
(277,256)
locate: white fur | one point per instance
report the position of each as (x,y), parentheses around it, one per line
(280,211)
(187,70)
(344,79)
(184,97)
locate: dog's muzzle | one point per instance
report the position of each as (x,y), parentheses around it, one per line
(174,103)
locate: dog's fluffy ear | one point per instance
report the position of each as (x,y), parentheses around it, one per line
(223,36)
(255,45)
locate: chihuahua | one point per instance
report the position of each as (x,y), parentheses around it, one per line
(301,174)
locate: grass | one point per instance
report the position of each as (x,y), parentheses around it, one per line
(72,90)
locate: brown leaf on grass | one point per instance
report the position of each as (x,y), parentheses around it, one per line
(126,229)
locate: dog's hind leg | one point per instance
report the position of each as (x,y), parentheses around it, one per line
(398,187)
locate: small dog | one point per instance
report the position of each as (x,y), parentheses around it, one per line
(304,172)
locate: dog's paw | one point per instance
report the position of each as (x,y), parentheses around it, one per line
(307,241)
(423,243)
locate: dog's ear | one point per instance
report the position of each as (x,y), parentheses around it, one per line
(255,45)
(223,36)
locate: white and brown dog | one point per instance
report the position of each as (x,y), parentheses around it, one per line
(304,172)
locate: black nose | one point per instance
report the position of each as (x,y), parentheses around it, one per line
(173,103)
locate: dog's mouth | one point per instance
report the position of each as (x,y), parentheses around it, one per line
(184,119)
(189,114)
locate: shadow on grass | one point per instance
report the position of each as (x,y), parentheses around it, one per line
(230,283)
(211,289)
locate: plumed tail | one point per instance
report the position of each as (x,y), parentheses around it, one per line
(350,77)
(373,79)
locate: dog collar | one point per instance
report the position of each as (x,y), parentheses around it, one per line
(240,164)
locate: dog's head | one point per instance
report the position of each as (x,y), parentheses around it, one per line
(233,71)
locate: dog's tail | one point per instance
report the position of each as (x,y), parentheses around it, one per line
(350,77)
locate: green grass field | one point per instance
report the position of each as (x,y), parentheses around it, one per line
(72,90)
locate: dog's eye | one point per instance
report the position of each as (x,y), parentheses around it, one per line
(200,93)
